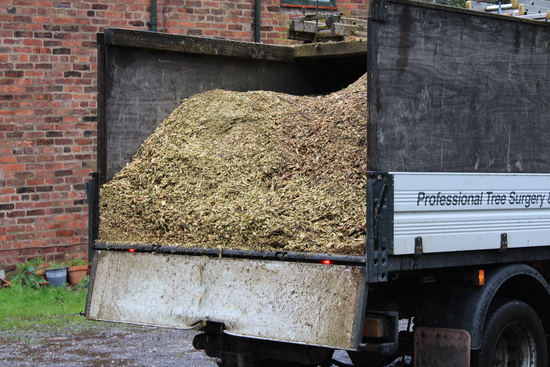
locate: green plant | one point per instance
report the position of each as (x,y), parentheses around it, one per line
(56,265)
(26,276)
(38,262)
(77,262)
(59,296)
(83,283)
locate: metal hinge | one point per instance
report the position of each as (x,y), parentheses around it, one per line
(379,225)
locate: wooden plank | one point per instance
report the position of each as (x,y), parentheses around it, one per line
(457,91)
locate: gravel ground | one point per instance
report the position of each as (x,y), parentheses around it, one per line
(102,344)
(99,344)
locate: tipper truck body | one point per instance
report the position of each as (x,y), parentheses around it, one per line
(456,259)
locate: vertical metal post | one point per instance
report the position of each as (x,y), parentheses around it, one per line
(153,23)
(257,21)
(92,193)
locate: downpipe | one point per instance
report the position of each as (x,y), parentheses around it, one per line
(153,23)
(257,21)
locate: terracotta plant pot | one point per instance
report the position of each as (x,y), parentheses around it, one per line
(41,273)
(75,274)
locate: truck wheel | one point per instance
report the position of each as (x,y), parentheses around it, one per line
(513,336)
(369,359)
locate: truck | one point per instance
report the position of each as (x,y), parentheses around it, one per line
(457,253)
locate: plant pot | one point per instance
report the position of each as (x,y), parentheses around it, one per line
(75,274)
(56,277)
(41,273)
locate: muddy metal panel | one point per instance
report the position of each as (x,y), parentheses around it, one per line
(304,303)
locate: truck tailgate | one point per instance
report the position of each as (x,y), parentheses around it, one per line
(298,302)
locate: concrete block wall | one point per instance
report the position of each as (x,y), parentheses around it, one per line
(48,108)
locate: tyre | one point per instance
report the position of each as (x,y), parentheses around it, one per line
(513,336)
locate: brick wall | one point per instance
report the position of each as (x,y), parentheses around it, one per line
(48,103)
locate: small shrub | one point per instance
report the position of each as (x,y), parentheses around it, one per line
(77,262)
(83,283)
(56,265)
(25,275)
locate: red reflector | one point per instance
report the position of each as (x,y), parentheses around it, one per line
(132,250)
(326,262)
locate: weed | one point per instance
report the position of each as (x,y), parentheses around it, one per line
(26,276)
(83,283)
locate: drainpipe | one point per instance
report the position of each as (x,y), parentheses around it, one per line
(153,22)
(257,21)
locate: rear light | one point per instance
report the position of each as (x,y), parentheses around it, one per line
(326,262)
(132,250)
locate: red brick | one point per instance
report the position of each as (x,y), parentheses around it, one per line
(14,167)
(7,159)
(65,233)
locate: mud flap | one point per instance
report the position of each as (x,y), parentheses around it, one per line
(441,347)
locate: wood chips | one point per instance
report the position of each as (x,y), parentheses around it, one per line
(260,171)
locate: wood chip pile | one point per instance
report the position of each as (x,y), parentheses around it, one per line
(259,171)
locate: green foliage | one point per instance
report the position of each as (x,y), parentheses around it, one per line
(26,302)
(77,262)
(25,275)
(56,265)
(23,307)
(83,283)
(39,262)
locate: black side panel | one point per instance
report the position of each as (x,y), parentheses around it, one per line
(452,90)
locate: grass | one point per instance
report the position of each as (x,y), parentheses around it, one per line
(25,308)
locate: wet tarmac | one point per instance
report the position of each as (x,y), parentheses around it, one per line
(103,344)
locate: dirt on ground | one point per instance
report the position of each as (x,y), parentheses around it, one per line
(100,344)
(105,344)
